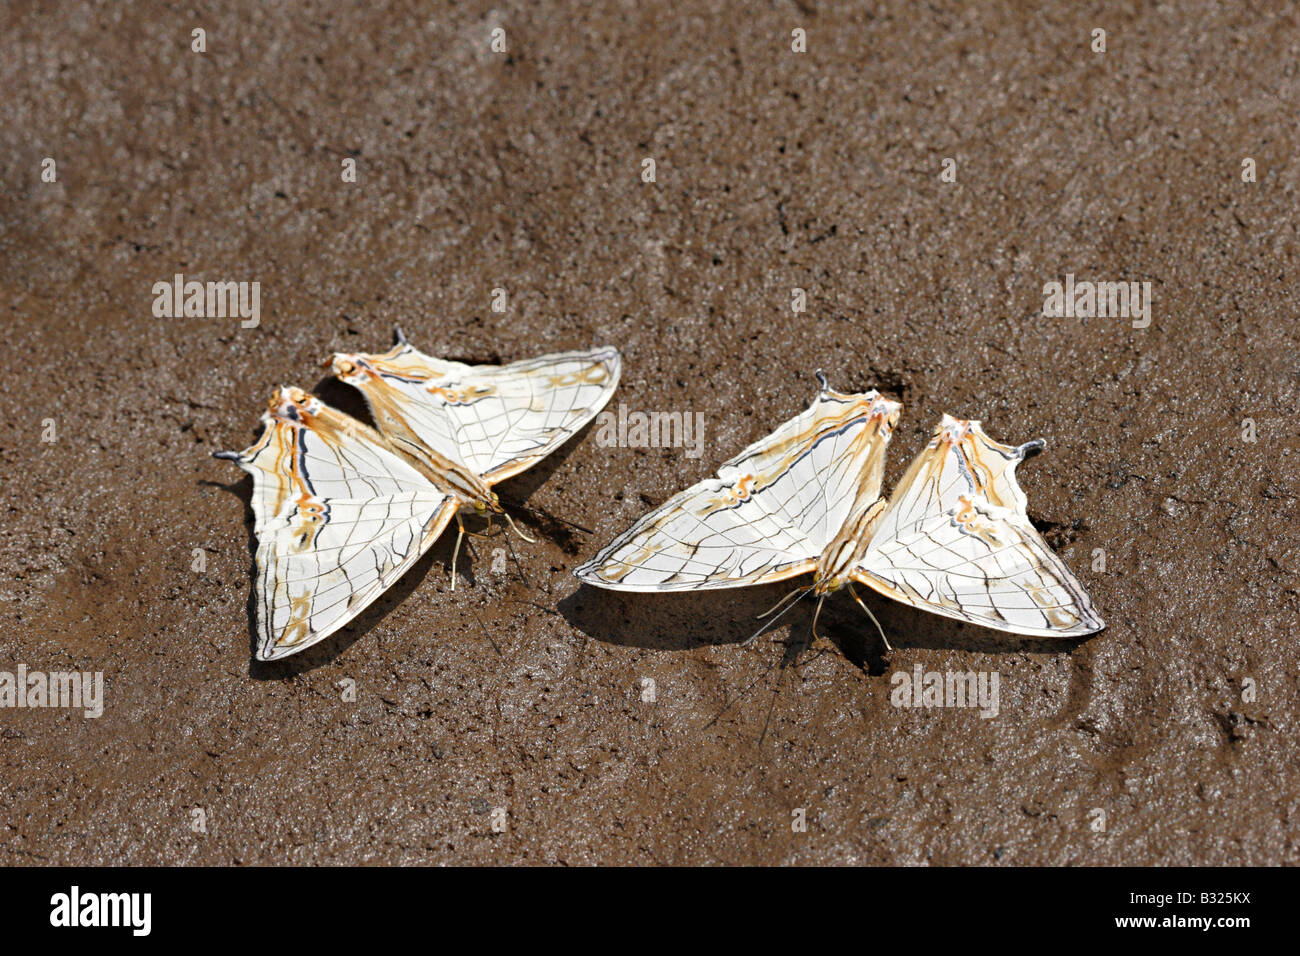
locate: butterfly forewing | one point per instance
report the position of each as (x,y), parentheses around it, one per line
(495,420)
(338,518)
(956,539)
(769,513)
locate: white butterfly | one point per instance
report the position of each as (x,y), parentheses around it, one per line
(955,539)
(342,510)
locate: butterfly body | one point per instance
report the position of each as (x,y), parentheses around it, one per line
(846,550)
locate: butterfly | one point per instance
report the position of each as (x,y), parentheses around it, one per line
(954,539)
(341,509)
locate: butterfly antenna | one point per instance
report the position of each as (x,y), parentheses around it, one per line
(888,646)
(519,567)
(753,637)
(487,633)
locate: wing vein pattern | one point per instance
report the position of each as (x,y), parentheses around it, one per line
(956,539)
(768,514)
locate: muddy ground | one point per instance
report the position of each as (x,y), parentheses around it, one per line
(479,170)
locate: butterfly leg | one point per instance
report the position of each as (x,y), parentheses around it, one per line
(460,536)
(519,567)
(888,646)
(517,531)
(816,614)
(485,533)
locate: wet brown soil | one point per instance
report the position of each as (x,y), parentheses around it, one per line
(774,170)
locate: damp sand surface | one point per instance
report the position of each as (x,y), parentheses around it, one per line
(774,171)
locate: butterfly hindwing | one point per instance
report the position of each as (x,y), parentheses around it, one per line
(768,514)
(956,539)
(338,518)
(495,420)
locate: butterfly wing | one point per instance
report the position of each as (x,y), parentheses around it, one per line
(956,540)
(338,518)
(768,514)
(495,419)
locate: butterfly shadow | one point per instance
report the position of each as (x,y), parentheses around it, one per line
(686,620)
(344,398)
(327,650)
(516,491)
(689,620)
(673,621)
(910,627)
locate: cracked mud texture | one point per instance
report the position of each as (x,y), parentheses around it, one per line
(775,170)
